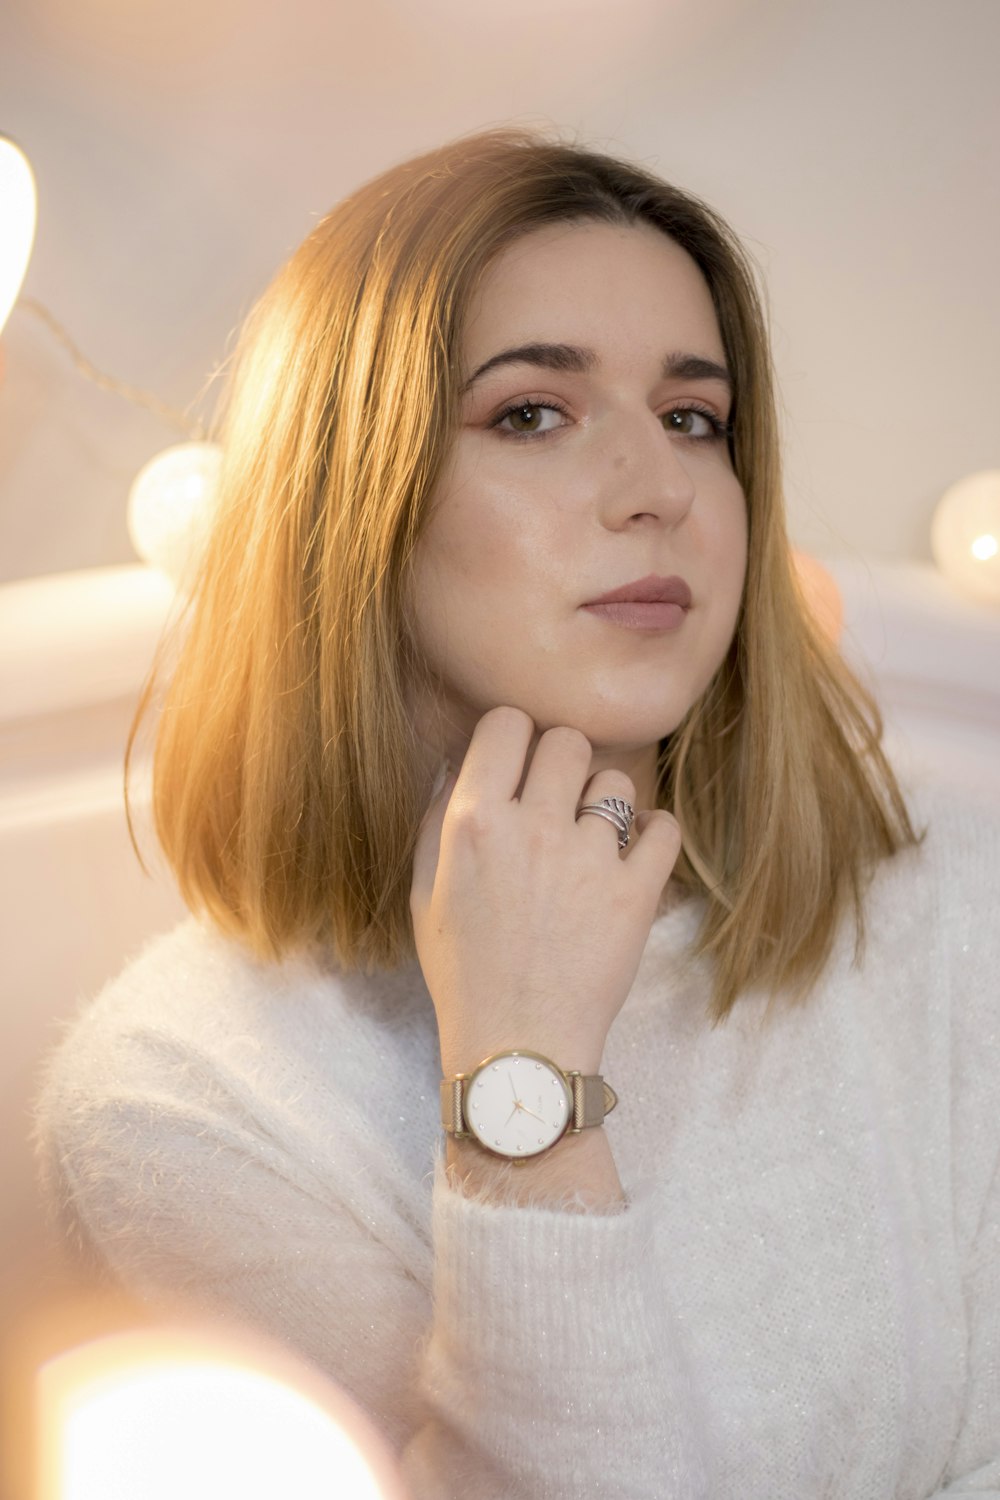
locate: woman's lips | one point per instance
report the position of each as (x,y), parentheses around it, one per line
(636,614)
(650,603)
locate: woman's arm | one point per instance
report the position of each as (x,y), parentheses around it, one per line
(555,1355)
(578,1173)
(530,928)
(556,1367)
(540,1359)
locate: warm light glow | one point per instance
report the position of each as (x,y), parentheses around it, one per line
(821,594)
(161,1414)
(243,1434)
(965,532)
(18,212)
(171,505)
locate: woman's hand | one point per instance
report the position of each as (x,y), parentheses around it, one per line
(530,925)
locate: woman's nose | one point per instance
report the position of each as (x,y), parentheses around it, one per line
(645,476)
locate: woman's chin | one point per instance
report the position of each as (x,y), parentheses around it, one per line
(626,730)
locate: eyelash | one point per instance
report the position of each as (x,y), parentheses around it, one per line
(719,430)
(516,406)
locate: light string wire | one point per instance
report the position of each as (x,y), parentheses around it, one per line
(192,428)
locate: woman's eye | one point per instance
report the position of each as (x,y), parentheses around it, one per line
(529,417)
(689,422)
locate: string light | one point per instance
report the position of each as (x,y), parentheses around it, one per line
(171,505)
(18,215)
(181,421)
(172,499)
(965,535)
(173,1409)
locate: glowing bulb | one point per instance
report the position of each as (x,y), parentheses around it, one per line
(159,1413)
(171,505)
(18,213)
(965,532)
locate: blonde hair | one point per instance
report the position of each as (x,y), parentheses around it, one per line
(288,781)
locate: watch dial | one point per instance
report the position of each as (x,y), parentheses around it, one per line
(517,1105)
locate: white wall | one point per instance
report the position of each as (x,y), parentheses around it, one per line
(183,148)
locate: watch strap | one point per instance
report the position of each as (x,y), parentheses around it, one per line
(592,1099)
(452,1092)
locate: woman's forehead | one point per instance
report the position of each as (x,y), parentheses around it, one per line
(591,285)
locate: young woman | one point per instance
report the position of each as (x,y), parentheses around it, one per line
(500,560)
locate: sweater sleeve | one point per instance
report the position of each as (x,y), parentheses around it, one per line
(969,892)
(188,1209)
(974,1468)
(545,1364)
(555,1368)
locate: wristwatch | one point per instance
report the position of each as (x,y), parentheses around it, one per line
(518,1104)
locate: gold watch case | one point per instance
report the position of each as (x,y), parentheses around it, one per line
(517,1104)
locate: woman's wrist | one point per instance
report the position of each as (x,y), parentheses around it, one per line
(570,1054)
(577,1174)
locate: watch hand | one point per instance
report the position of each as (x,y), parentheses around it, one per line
(513,1085)
(531,1112)
(517,1106)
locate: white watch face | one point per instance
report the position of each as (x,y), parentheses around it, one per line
(517,1104)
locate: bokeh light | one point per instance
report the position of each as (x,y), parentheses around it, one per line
(965,535)
(163,1412)
(171,506)
(18,213)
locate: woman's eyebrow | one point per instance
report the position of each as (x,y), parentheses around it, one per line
(548,356)
(570,357)
(695,367)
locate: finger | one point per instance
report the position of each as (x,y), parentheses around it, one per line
(494,762)
(604,784)
(655,847)
(427,850)
(557,772)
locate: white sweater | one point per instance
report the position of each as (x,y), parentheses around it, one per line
(801,1300)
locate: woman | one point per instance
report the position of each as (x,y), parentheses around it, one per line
(500,558)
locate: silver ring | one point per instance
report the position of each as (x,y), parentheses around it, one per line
(617,811)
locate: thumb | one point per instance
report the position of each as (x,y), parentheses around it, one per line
(428,846)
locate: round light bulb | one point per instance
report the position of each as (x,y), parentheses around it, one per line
(18,213)
(171,506)
(168,1411)
(965,535)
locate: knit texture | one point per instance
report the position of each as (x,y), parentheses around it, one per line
(801,1300)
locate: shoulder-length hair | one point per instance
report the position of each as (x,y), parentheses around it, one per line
(288,784)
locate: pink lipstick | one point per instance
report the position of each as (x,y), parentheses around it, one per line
(650,603)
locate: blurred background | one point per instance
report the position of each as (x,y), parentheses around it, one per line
(183,148)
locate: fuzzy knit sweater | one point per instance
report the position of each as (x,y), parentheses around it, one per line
(799,1301)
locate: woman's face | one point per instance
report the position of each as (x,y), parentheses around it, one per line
(591,455)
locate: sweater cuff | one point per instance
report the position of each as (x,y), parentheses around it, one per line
(515,1279)
(553,1335)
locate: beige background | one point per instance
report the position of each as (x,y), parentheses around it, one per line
(183,147)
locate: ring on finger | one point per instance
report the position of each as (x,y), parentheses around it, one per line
(617,811)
